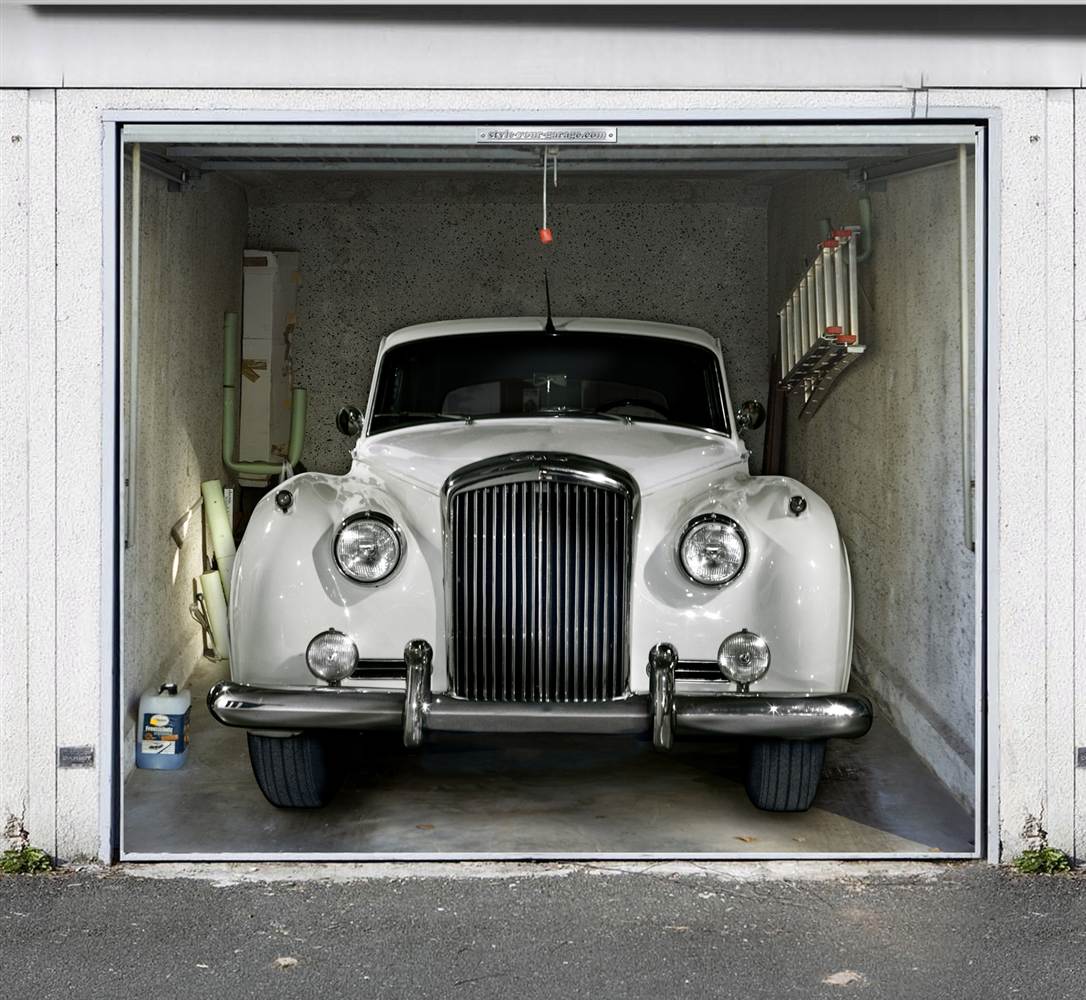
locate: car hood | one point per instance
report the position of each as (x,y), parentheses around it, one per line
(655,455)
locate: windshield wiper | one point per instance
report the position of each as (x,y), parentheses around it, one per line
(466,418)
(573,411)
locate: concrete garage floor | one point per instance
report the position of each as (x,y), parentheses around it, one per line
(539,796)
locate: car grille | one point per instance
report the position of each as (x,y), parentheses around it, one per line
(539,590)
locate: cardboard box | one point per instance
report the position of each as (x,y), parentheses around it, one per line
(271,280)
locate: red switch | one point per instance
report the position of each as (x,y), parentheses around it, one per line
(545,235)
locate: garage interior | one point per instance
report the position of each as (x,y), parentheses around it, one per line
(695,225)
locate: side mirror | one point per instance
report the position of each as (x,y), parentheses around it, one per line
(349,421)
(750,416)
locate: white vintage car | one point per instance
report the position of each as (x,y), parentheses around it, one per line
(547,527)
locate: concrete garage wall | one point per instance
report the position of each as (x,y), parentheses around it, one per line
(28,452)
(379,253)
(885,451)
(190,260)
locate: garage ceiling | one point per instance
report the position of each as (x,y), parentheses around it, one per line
(442,159)
(750,150)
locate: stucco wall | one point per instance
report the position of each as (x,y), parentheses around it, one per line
(379,253)
(885,451)
(190,274)
(28,451)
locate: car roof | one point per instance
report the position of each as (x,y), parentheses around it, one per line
(582,324)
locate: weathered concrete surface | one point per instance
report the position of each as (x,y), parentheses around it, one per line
(885,452)
(379,253)
(190,270)
(553,796)
(546,931)
(28,452)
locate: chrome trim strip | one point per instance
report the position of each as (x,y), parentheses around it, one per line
(474,588)
(491,501)
(455,715)
(597,652)
(531,466)
(546,547)
(522,493)
(768,716)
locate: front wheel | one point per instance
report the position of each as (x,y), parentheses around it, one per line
(295,772)
(782,775)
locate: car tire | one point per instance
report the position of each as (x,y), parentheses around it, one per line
(295,772)
(782,775)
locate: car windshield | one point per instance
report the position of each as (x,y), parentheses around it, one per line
(517,374)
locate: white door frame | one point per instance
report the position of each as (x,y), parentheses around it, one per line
(985,430)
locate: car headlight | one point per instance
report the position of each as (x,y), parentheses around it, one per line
(367,547)
(713,550)
(331,656)
(743,657)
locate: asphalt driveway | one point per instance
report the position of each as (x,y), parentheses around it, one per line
(659,931)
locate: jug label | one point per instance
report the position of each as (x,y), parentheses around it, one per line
(165,734)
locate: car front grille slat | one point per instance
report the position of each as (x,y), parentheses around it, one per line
(539,591)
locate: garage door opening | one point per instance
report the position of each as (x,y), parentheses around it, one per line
(322,240)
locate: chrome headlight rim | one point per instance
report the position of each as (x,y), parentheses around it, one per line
(695,523)
(387,522)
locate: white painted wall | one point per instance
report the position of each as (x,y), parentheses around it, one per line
(885,451)
(29,519)
(1036,373)
(190,274)
(1073,473)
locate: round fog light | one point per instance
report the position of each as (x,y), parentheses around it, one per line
(743,657)
(331,656)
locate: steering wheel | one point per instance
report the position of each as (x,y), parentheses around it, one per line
(644,404)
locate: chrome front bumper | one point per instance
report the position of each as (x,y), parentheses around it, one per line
(663,712)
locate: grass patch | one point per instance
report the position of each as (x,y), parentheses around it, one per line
(25,860)
(1042,861)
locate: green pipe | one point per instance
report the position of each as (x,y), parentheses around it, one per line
(229,430)
(229,412)
(298,402)
(230,349)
